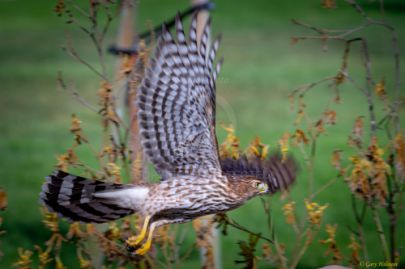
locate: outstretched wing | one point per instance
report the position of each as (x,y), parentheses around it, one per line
(176,101)
(277,173)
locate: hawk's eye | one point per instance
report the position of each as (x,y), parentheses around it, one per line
(260,186)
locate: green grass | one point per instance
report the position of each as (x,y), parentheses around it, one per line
(261,67)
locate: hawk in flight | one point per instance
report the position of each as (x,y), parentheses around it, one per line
(176,102)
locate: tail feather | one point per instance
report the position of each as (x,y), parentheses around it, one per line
(75,198)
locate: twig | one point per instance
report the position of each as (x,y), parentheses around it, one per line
(324,187)
(108,23)
(266,208)
(367,91)
(80,10)
(308,241)
(240,227)
(70,50)
(359,220)
(369,85)
(354,83)
(281,258)
(93,36)
(397,67)
(380,232)
(357,7)
(74,93)
(311,166)
(105,28)
(224,219)
(324,32)
(301,90)
(306,25)
(392,219)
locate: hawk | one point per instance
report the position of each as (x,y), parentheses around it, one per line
(176,102)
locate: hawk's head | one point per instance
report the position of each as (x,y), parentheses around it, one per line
(247,187)
(251,177)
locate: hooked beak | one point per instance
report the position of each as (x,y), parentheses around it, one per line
(263,187)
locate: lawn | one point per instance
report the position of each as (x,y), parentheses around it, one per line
(260,70)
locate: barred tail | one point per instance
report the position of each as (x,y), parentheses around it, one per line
(79,199)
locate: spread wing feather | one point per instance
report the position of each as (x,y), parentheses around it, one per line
(176,101)
(277,173)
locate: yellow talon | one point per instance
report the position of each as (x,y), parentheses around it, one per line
(145,247)
(136,240)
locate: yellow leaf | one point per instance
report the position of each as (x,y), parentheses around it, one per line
(300,137)
(379,89)
(283,142)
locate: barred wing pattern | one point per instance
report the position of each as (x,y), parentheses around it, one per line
(176,101)
(277,173)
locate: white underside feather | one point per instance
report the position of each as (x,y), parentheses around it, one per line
(131,198)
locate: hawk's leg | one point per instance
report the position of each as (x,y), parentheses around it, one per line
(134,241)
(146,246)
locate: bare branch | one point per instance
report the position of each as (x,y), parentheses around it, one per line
(380,231)
(75,94)
(80,10)
(72,52)
(223,219)
(301,90)
(357,7)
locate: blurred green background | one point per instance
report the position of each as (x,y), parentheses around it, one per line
(261,68)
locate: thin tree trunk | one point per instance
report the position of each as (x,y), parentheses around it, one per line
(128,85)
(207,234)
(125,38)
